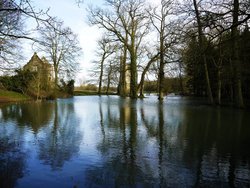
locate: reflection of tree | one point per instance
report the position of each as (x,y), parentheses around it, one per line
(150,124)
(133,141)
(120,131)
(62,138)
(169,145)
(217,142)
(33,114)
(161,141)
(155,126)
(12,158)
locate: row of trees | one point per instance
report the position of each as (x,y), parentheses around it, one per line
(49,36)
(189,37)
(220,67)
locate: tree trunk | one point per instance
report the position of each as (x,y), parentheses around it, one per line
(133,69)
(181,84)
(145,70)
(201,44)
(231,81)
(56,75)
(161,69)
(235,57)
(181,87)
(108,84)
(101,74)
(219,86)
(141,84)
(122,81)
(133,76)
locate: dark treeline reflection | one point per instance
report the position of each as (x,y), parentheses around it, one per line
(47,130)
(13,120)
(33,114)
(62,138)
(146,143)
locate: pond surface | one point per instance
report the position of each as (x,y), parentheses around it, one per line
(107,141)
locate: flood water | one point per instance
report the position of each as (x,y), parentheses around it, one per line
(108,141)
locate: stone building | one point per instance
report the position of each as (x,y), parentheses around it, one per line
(43,80)
(41,66)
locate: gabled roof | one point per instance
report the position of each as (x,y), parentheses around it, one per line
(36,59)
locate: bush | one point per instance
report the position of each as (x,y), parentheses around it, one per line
(18,82)
(67,87)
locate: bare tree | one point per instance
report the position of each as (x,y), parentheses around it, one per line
(122,90)
(127,20)
(61,47)
(111,73)
(161,20)
(202,48)
(105,50)
(13,15)
(151,60)
(235,55)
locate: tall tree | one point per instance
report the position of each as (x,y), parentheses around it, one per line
(61,47)
(127,20)
(105,50)
(202,49)
(235,56)
(160,19)
(122,90)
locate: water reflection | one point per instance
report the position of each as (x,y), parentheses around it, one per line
(33,132)
(167,145)
(12,158)
(33,114)
(220,146)
(118,124)
(117,142)
(61,138)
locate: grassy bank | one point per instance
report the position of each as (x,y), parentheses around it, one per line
(10,96)
(83,93)
(88,92)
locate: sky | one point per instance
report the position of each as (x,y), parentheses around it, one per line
(75,17)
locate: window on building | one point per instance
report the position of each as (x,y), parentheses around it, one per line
(34,68)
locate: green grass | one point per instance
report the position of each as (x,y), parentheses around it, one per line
(10,96)
(87,92)
(83,93)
